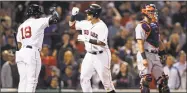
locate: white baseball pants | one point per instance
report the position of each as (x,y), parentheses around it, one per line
(154,65)
(99,63)
(29,64)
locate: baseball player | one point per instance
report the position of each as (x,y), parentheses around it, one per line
(30,37)
(98,56)
(149,49)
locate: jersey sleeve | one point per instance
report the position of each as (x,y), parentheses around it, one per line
(45,21)
(18,36)
(78,25)
(140,33)
(103,34)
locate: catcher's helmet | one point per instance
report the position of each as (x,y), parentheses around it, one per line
(94,9)
(34,10)
(150,11)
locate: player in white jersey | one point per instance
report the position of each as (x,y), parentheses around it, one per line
(30,38)
(98,56)
(150,50)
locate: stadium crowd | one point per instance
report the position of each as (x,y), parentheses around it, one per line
(62,54)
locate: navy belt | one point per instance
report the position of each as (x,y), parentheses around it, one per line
(28,46)
(95,53)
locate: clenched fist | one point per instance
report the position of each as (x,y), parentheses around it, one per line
(52,9)
(75,11)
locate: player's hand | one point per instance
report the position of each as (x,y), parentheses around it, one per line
(53,11)
(82,38)
(75,11)
(145,62)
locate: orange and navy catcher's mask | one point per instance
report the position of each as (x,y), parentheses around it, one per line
(150,11)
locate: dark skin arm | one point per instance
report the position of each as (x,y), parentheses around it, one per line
(55,16)
(71,23)
(19,45)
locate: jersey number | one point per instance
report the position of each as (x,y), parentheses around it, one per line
(26,32)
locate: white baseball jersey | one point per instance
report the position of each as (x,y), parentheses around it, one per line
(97,31)
(141,34)
(28,60)
(31,32)
(95,62)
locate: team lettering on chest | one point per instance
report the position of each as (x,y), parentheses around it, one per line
(93,34)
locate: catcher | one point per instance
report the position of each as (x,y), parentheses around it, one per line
(150,49)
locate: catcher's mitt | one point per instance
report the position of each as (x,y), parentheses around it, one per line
(163,59)
(163,56)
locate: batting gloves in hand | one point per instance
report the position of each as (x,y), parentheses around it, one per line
(82,38)
(53,11)
(75,11)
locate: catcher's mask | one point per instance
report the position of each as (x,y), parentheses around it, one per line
(150,11)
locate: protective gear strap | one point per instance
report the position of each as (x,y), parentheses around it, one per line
(163,89)
(163,84)
(146,27)
(145,79)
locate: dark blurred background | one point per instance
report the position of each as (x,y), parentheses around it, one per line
(62,54)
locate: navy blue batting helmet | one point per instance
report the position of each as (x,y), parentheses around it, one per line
(94,9)
(34,10)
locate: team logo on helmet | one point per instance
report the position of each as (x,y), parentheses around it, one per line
(150,11)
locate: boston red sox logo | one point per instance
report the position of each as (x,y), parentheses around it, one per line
(93,34)
(86,32)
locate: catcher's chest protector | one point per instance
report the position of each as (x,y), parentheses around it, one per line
(152,32)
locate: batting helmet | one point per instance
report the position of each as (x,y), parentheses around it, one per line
(94,9)
(34,10)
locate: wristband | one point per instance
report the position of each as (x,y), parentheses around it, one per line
(143,55)
(73,18)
